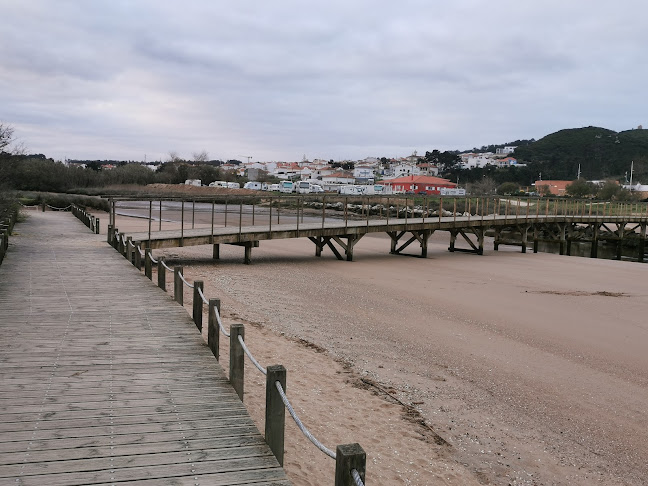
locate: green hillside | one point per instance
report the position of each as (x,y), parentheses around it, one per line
(601,153)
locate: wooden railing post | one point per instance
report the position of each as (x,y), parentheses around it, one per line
(237,359)
(213,331)
(138,255)
(109,235)
(198,304)
(148,264)
(275,412)
(347,458)
(161,274)
(177,285)
(97,226)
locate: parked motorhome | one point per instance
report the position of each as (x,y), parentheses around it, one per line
(286,186)
(351,190)
(274,187)
(256,186)
(218,184)
(307,187)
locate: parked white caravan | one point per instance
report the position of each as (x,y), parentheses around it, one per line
(193,182)
(307,187)
(218,184)
(274,187)
(352,190)
(233,185)
(449,191)
(286,186)
(256,186)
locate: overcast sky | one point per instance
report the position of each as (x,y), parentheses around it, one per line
(280,79)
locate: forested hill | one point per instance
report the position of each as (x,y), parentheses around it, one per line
(601,153)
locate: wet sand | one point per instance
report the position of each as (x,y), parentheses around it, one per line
(526,369)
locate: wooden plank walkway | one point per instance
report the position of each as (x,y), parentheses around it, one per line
(105,380)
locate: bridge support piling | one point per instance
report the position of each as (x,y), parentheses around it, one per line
(642,243)
(497,238)
(213,330)
(275,411)
(216,252)
(453,240)
(237,359)
(197,304)
(248,253)
(524,232)
(595,240)
(621,232)
(562,230)
(351,241)
(319,244)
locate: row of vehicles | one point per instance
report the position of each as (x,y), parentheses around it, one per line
(309,187)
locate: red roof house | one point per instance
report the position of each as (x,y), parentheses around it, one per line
(418,184)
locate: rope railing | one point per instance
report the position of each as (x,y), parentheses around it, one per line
(185,282)
(299,423)
(346,455)
(220,323)
(59,209)
(356,477)
(249,355)
(202,296)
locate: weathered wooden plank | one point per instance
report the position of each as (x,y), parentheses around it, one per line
(261,468)
(130,449)
(132,461)
(104,377)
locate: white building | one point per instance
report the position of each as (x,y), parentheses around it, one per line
(505,150)
(363,172)
(472,161)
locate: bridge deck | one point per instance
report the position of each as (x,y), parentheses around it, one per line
(337,227)
(105,380)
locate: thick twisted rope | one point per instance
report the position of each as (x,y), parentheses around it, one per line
(166,266)
(140,250)
(153,260)
(59,209)
(202,296)
(186,283)
(249,354)
(301,426)
(220,323)
(356,477)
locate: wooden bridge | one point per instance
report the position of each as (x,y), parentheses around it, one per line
(510,221)
(106,386)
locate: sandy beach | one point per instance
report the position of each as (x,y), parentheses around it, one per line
(505,368)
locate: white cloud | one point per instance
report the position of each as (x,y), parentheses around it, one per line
(334,80)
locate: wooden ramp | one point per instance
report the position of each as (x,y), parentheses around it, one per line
(105,380)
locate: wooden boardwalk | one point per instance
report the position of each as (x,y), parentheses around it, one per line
(105,380)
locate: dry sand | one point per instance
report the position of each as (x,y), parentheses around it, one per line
(525,369)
